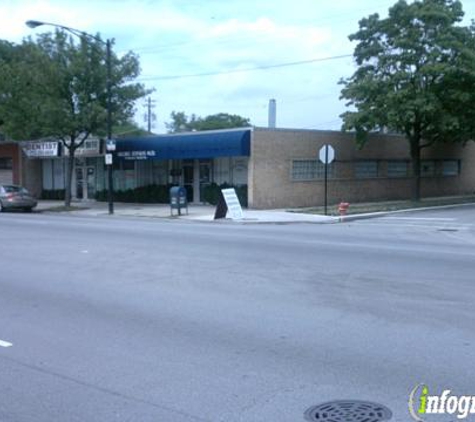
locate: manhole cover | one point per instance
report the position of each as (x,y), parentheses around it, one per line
(348,411)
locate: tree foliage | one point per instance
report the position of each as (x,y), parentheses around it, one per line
(56,87)
(415,76)
(182,123)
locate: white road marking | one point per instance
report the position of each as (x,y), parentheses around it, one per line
(421,225)
(5,344)
(419,218)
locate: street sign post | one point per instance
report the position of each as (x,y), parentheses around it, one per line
(326,155)
(110,145)
(108,158)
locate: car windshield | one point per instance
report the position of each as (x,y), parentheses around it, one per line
(14,189)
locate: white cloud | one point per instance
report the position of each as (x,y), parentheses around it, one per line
(177,37)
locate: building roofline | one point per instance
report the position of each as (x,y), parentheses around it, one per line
(323,131)
(196,132)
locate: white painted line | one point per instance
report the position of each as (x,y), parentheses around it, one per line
(419,218)
(5,344)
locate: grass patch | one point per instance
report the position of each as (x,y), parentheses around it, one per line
(386,206)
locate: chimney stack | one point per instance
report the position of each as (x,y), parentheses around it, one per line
(272,113)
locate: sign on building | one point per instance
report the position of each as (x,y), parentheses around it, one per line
(40,149)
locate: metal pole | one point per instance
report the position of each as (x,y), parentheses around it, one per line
(110,192)
(326,179)
(78,33)
(149,116)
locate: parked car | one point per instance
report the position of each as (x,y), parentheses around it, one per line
(16,197)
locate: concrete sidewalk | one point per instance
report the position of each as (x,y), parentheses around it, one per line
(203,213)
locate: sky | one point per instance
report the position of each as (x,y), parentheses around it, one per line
(223,56)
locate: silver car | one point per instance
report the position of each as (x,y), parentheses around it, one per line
(16,197)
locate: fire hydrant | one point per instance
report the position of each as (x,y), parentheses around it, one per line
(343,208)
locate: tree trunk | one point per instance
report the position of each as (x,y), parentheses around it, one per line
(69,178)
(416,168)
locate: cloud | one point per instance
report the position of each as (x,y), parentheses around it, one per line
(176,37)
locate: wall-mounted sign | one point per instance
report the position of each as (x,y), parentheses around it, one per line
(137,155)
(40,149)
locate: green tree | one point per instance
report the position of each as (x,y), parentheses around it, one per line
(57,87)
(415,76)
(182,123)
(129,128)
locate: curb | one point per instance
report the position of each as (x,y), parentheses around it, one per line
(251,221)
(383,213)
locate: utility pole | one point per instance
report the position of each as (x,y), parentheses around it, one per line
(150,117)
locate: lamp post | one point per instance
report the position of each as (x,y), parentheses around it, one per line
(78,33)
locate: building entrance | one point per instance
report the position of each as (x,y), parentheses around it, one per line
(85,182)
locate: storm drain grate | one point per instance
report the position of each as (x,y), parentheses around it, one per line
(348,411)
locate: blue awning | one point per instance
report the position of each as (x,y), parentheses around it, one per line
(226,143)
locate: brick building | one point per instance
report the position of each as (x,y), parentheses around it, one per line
(284,170)
(280,167)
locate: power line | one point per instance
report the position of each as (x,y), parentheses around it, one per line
(249,69)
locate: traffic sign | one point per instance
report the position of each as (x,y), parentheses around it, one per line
(110,145)
(326,154)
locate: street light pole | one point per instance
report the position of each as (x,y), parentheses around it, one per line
(78,33)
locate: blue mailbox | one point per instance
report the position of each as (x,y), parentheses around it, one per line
(178,199)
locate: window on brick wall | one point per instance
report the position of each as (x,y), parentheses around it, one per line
(398,168)
(310,170)
(450,167)
(6,163)
(365,169)
(427,168)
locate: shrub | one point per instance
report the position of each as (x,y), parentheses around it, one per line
(160,194)
(57,194)
(151,194)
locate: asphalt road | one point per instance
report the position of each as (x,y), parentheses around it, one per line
(141,320)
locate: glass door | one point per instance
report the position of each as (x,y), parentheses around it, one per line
(188,179)
(205,176)
(79,182)
(91,182)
